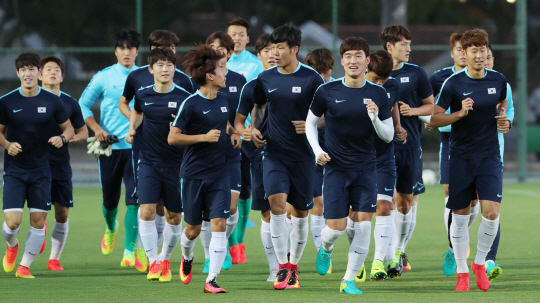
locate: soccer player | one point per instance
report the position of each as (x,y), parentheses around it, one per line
(61,185)
(263,46)
(202,125)
(415,98)
(288,159)
(476,97)
(250,66)
(356,111)
(137,79)
(107,86)
(28,114)
(159,163)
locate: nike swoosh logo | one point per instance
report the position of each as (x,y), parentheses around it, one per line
(388,189)
(146,103)
(49,203)
(317,236)
(271,90)
(118,86)
(219,251)
(172,246)
(206,112)
(70,201)
(456,237)
(488,234)
(239,185)
(500,196)
(373,205)
(61,232)
(359,253)
(466,94)
(226,211)
(309,203)
(149,250)
(302,242)
(339,101)
(275,237)
(385,237)
(17,110)
(269,247)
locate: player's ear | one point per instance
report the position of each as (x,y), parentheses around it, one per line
(150,69)
(295,49)
(368,59)
(389,46)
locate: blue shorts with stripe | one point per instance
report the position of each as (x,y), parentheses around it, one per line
(319,176)
(31,185)
(159,182)
(444,157)
(113,170)
(386,180)
(235,174)
(205,199)
(407,165)
(419,187)
(61,184)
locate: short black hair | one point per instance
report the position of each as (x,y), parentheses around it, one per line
(287,33)
(163,38)
(393,34)
(224,40)
(262,42)
(161,54)
(201,61)
(240,22)
(354,43)
(52,59)
(127,37)
(321,60)
(491,49)
(27,60)
(381,63)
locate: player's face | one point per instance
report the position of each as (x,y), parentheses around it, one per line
(267,57)
(51,74)
(126,55)
(490,61)
(172,47)
(373,77)
(216,45)
(29,76)
(163,71)
(458,55)
(354,62)
(283,54)
(218,77)
(401,50)
(476,57)
(240,37)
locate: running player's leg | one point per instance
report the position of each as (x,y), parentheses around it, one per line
(235,186)
(14,196)
(493,270)
(111,185)
(244,202)
(62,199)
(383,226)
(317,220)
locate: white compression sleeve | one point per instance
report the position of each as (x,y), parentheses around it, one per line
(384,129)
(312,134)
(425,119)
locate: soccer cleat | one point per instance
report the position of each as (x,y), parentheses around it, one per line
(463,282)
(186,270)
(206,268)
(293,280)
(234,253)
(242,255)
(128,260)
(227,263)
(108,240)
(493,271)
(273,275)
(154,272)
(23,272)
(377,271)
(324,260)
(54,265)
(10,257)
(44,240)
(449,264)
(468,250)
(141,261)
(481,276)
(212,287)
(349,287)
(405,262)
(166,274)
(283,276)
(330,269)
(393,269)
(361,276)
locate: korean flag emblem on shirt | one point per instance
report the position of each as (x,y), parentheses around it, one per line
(172,104)
(404,79)
(492,91)
(223,109)
(366,100)
(41,110)
(296,89)
(232,89)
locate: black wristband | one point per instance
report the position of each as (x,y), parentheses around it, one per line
(63,139)
(509,124)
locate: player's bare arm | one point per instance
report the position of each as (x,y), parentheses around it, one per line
(176,137)
(123,106)
(100,133)
(502,120)
(440,119)
(135,120)
(401,133)
(239,123)
(81,136)
(67,134)
(256,119)
(13,148)
(423,110)
(236,141)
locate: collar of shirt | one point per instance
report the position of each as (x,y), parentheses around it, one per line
(240,56)
(122,70)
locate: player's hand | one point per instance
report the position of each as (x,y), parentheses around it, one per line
(77,139)
(247,133)
(130,136)
(15,148)
(56,141)
(300,127)
(236,141)
(257,138)
(401,134)
(466,106)
(212,136)
(372,110)
(405,109)
(502,121)
(101,135)
(322,159)
(428,126)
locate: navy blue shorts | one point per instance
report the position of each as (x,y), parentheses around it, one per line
(386,180)
(407,170)
(136,147)
(159,182)
(319,176)
(31,185)
(235,174)
(258,198)
(61,185)
(245,170)
(444,157)
(205,199)
(112,170)
(471,176)
(294,178)
(349,189)
(419,187)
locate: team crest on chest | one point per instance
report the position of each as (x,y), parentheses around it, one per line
(41,110)
(296,89)
(492,91)
(232,89)
(223,109)
(404,79)
(366,100)
(172,104)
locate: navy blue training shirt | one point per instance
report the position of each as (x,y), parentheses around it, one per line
(350,135)
(288,97)
(198,115)
(158,109)
(73,110)
(385,151)
(475,135)
(245,106)
(27,121)
(234,84)
(413,87)
(438,78)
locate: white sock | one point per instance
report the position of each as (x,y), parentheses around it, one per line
(411,228)
(187,246)
(280,236)
(391,251)
(139,242)
(350,230)
(359,249)
(474,213)
(160,225)
(148,232)
(58,239)
(486,234)
(329,237)
(299,236)
(317,224)
(231,223)
(459,236)
(447,212)
(289,228)
(268,246)
(206,236)
(171,236)
(382,235)
(33,245)
(10,235)
(403,224)
(218,251)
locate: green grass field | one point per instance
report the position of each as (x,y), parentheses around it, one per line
(92,277)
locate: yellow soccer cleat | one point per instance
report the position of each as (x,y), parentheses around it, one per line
(23,272)
(166,274)
(128,260)
(108,240)
(361,276)
(10,257)
(154,272)
(141,261)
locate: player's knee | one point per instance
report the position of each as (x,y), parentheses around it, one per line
(234,209)
(490,214)
(147,214)
(265,215)
(192,232)
(383,208)
(12,224)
